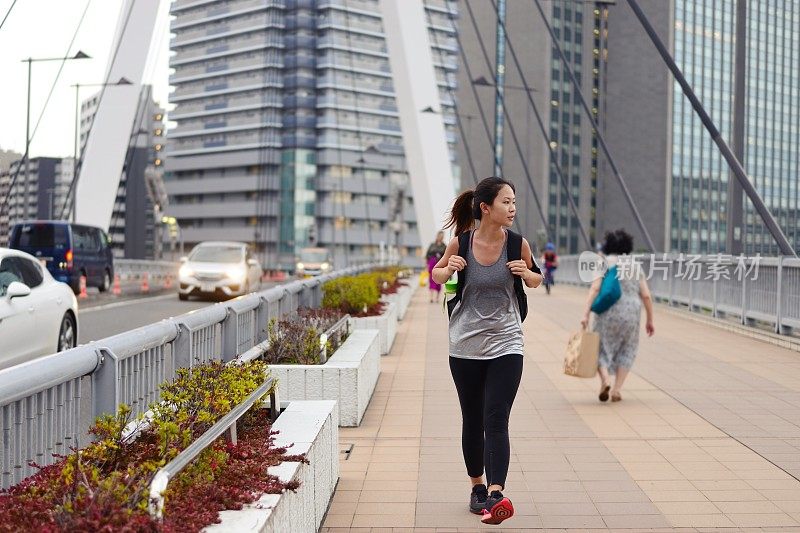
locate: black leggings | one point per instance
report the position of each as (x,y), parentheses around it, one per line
(486,391)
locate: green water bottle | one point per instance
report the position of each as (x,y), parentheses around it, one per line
(451,285)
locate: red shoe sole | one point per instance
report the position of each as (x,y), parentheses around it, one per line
(502,510)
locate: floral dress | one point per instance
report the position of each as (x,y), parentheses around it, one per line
(619,325)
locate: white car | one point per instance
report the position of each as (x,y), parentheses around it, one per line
(38,315)
(222,269)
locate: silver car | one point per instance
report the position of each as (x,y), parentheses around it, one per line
(220,269)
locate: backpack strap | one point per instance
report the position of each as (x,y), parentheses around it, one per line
(463,249)
(514,252)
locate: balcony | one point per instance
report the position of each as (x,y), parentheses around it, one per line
(300,22)
(300,41)
(249,44)
(373,46)
(200,71)
(292,61)
(299,81)
(293,121)
(299,141)
(214,12)
(306,102)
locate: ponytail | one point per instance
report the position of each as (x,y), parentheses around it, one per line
(467,207)
(462,213)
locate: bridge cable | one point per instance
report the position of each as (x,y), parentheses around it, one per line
(596,128)
(453,97)
(44,108)
(730,158)
(450,90)
(511,128)
(553,155)
(7,13)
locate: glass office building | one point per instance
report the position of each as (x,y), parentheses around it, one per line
(704,48)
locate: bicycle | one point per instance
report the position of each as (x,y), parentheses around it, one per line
(548,279)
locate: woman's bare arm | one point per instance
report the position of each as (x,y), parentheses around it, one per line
(594,290)
(647,300)
(531,278)
(444,269)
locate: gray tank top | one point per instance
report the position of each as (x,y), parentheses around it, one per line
(486,322)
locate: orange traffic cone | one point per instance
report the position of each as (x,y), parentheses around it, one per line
(145,282)
(82,286)
(168,281)
(117,289)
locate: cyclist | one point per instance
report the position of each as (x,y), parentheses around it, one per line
(550,260)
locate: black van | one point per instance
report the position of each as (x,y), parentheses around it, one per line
(68,250)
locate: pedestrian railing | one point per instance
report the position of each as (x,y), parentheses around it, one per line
(47,405)
(339,330)
(753,289)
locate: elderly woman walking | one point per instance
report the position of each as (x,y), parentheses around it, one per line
(618,326)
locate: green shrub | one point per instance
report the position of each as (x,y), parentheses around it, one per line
(352,294)
(295,339)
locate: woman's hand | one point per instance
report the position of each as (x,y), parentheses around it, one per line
(456,263)
(585,320)
(517,267)
(650,328)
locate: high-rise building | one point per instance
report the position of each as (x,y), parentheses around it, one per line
(7,157)
(673,167)
(288,130)
(37,195)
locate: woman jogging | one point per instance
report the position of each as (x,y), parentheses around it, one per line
(486,344)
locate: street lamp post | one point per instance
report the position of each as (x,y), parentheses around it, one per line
(175,231)
(30,61)
(75,166)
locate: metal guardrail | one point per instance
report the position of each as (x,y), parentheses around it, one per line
(47,405)
(227,423)
(343,326)
(769,294)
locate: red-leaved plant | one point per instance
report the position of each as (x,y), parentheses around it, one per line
(105,486)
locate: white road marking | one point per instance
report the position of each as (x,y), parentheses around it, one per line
(127,302)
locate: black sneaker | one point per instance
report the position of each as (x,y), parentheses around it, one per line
(497,508)
(477,501)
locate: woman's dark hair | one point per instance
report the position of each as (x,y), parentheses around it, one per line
(467,207)
(618,242)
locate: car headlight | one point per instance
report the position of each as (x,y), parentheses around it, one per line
(185,271)
(325,266)
(236,273)
(300,266)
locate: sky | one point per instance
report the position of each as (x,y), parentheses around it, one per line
(44,28)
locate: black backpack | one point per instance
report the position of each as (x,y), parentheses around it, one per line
(514,250)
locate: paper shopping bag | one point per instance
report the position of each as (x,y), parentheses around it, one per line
(582,352)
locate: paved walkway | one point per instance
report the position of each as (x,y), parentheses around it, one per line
(707,436)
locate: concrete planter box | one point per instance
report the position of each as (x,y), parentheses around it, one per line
(386,324)
(311,427)
(402,298)
(349,377)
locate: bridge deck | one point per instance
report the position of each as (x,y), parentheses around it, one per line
(708,434)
